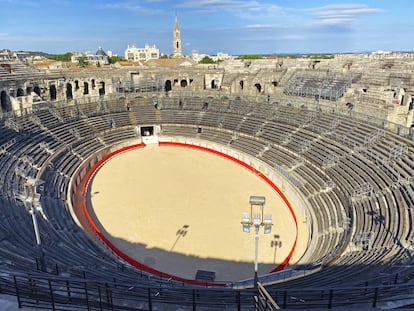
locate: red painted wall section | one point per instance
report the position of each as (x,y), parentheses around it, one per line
(139,265)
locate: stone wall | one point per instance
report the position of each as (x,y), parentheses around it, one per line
(384,85)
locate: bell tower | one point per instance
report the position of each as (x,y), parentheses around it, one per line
(177,40)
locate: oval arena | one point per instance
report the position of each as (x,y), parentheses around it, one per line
(182,203)
(346,175)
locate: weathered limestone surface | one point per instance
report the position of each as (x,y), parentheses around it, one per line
(382,84)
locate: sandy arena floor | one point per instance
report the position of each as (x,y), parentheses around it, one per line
(179,210)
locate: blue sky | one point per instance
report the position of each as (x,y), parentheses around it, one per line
(209,26)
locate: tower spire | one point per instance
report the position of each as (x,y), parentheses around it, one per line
(177,40)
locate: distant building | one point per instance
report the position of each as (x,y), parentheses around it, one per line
(4,54)
(134,54)
(222,56)
(177,40)
(99,57)
(197,57)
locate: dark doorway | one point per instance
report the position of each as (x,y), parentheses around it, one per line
(52,91)
(102,88)
(258,87)
(5,102)
(20,92)
(168,86)
(36,89)
(85,88)
(183,83)
(69,94)
(147,130)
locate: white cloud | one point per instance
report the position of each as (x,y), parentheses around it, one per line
(293,37)
(134,7)
(259,26)
(235,6)
(21,3)
(341,14)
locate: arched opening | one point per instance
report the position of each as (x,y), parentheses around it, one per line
(258,87)
(183,83)
(52,91)
(93,84)
(20,92)
(36,89)
(5,102)
(29,90)
(69,94)
(168,86)
(275,83)
(76,85)
(102,88)
(85,88)
(214,84)
(241,83)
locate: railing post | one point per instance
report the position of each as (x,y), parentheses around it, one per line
(149,299)
(52,299)
(19,303)
(374,303)
(68,289)
(330,299)
(86,296)
(194,300)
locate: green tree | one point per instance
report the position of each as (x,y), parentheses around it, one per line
(66,57)
(114,59)
(82,61)
(206,60)
(250,56)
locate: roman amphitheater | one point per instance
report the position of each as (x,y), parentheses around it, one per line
(127,187)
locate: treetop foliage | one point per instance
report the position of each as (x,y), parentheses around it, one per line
(61,57)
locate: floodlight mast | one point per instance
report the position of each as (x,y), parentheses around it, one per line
(31,202)
(257,220)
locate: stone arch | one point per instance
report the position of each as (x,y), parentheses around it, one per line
(101,88)
(183,83)
(241,83)
(69,94)
(76,85)
(275,83)
(85,88)
(36,89)
(258,87)
(168,86)
(52,91)
(93,84)
(20,92)
(5,102)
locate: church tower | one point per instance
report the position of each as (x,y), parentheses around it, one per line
(177,40)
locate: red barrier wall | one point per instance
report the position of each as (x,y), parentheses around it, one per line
(139,265)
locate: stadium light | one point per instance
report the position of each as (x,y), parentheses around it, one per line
(31,201)
(256,220)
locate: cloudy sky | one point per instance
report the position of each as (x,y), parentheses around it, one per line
(209,26)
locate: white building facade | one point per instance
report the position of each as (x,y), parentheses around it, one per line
(98,58)
(134,54)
